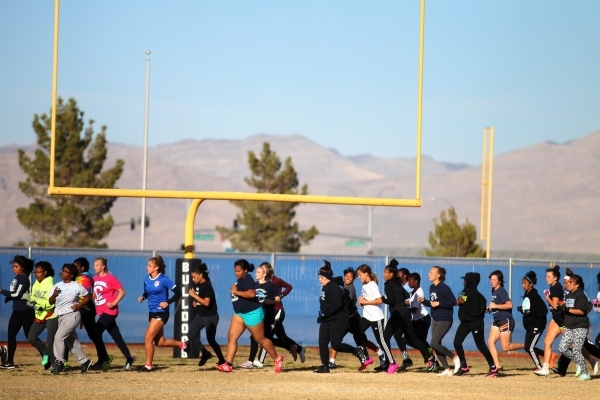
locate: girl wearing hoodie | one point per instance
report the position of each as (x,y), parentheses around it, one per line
(22,315)
(471,311)
(44,312)
(534,312)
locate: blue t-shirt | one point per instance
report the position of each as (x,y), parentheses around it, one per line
(557,290)
(158,291)
(241,304)
(500,296)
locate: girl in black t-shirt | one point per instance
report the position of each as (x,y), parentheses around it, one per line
(554,296)
(205,304)
(248,315)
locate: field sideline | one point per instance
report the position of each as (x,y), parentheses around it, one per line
(179,378)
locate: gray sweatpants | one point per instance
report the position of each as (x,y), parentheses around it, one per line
(438,331)
(66,335)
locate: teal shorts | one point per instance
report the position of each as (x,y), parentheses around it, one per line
(253,318)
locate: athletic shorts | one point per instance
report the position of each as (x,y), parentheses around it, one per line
(163,316)
(560,321)
(252,318)
(505,325)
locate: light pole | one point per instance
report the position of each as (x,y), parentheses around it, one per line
(369,214)
(145,162)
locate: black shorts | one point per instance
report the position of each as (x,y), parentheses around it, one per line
(505,325)
(560,321)
(163,316)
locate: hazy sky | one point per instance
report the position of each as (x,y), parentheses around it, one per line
(342,73)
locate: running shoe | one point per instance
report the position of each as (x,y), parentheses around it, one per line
(545,371)
(59,366)
(302,354)
(584,377)
(432,365)
(66,364)
(382,360)
(462,371)
(129,363)
(294,352)
(360,354)
(97,366)
(392,368)
(278,364)
(258,364)
(7,365)
(595,364)
(332,365)
(146,369)
(3,354)
(492,373)
(204,357)
(381,368)
(86,366)
(407,363)
(185,346)
(456,361)
(577,371)
(45,359)
(106,364)
(47,365)
(225,367)
(323,369)
(364,365)
(246,365)
(446,372)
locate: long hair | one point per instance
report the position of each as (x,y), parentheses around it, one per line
(104,262)
(269,271)
(25,263)
(500,277)
(367,270)
(83,262)
(159,262)
(201,269)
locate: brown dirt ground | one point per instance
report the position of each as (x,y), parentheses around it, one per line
(180,378)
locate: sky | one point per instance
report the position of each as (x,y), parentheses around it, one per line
(342,73)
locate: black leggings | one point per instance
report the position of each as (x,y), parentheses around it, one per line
(476,328)
(268,326)
(18,319)
(333,331)
(377,327)
(88,318)
(531,338)
(421,328)
(108,323)
(210,324)
(282,339)
(399,323)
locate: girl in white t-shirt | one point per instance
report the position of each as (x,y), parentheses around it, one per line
(370,301)
(421,320)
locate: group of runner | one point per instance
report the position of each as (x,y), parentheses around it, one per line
(79,298)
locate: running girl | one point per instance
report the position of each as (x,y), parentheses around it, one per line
(69,297)
(534,317)
(333,320)
(421,320)
(370,300)
(554,298)
(442,303)
(205,302)
(249,315)
(156,290)
(22,315)
(501,308)
(44,312)
(108,292)
(471,310)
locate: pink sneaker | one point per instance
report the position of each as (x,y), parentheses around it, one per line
(367,362)
(278,364)
(224,367)
(392,368)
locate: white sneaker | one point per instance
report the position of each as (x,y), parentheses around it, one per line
(258,364)
(545,371)
(446,372)
(456,364)
(595,366)
(247,365)
(577,371)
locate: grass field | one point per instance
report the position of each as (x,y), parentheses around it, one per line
(182,378)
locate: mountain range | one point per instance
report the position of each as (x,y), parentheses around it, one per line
(545,197)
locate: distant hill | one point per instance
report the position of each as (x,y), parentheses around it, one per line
(546,196)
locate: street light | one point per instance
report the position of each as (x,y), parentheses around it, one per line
(369,214)
(145,162)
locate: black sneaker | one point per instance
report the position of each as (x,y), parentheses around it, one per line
(461,371)
(323,369)
(407,363)
(97,366)
(129,363)
(381,368)
(7,365)
(58,367)
(3,354)
(204,357)
(86,366)
(144,369)
(47,366)
(360,354)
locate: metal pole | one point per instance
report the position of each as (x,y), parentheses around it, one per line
(54,89)
(420,101)
(370,228)
(510,277)
(145,162)
(489,199)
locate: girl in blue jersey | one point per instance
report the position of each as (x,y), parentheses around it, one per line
(501,308)
(156,290)
(249,315)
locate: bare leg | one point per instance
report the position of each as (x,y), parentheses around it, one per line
(258,333)
(492,339)
(236,328)
(155,329)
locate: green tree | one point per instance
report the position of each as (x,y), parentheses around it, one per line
(269,226)
(449,239)
(68,221)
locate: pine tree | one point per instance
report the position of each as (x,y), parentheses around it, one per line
(68,221)
(269,226)
(450,239)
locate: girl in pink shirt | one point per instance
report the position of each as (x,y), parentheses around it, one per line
(108,292)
